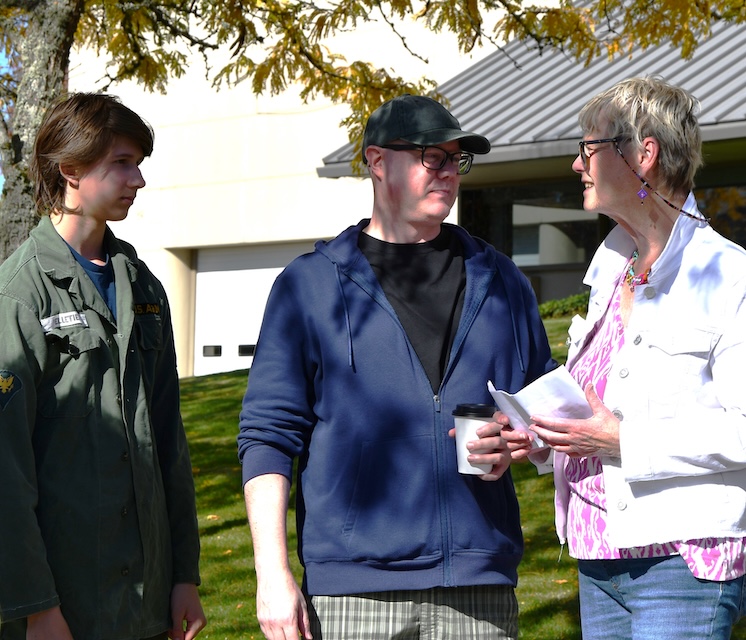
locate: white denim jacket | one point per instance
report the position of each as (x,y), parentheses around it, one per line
(678,385)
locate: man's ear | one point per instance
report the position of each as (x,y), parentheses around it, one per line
(70,175)
(374,157)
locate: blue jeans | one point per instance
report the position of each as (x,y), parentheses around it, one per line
(655,599)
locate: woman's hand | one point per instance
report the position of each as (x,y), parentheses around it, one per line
(597,435)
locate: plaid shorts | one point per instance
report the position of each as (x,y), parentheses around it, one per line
(459,613)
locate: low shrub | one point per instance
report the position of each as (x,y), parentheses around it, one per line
(564,307)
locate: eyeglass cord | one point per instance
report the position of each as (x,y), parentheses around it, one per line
(645,183)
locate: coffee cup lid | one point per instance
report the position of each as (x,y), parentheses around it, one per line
(474,410)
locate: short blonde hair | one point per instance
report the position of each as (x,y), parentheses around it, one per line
(643,107)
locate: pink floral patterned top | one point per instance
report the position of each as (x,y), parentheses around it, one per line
(708,559)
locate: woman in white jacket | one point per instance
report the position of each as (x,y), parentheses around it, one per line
(651,490)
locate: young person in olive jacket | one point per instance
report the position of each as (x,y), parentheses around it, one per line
(98,527)
(368,345)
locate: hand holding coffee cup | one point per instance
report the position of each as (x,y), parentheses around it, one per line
(467,419)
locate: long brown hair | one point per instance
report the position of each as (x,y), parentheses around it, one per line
(78,131)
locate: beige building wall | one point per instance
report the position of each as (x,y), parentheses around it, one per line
(234,170)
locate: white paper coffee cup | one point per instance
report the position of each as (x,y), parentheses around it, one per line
(467,419)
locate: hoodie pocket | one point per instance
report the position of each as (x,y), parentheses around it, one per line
(393,513)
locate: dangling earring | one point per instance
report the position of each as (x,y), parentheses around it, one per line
(642,194)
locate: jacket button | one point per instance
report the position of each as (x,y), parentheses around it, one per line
(618,414)
(125,456)
(124,512)
(638,339)
(649,293)
(621,505)
(125,571)
(623,373)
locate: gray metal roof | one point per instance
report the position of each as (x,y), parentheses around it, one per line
(527,104)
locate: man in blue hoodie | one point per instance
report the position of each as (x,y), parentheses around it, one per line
(368,345)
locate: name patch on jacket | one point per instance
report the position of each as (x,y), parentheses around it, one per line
(147,308)
(10,385)
(64,321)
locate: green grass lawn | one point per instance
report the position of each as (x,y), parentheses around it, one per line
(547,589)
(556,329)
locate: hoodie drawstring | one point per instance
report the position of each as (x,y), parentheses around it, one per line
(516,341)
(350,362)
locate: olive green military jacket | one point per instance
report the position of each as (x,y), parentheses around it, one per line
(97,509)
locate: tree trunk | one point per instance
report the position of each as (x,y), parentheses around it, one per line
(45,53)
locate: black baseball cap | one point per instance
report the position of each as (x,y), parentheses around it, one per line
(418,120)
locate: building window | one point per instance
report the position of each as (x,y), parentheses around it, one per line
(546,232)
(212,351)
(542,227)
(540,224)
(245,350)
(526,244)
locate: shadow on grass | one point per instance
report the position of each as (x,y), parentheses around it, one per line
(221,526)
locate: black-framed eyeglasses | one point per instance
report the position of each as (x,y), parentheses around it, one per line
(585,153)
(436,158)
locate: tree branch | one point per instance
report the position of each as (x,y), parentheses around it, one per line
(23,5)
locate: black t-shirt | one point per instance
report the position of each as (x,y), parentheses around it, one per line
(425,285)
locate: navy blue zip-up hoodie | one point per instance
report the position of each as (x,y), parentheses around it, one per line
(336,382)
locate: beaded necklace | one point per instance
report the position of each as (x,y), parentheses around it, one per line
(630,278)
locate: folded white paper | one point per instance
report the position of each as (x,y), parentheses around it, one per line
(555,394)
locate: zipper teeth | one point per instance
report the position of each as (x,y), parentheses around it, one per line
(441,441)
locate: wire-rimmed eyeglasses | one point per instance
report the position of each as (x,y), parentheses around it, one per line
(585,153)
(436,158)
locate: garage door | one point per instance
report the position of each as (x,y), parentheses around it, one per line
(231,292)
